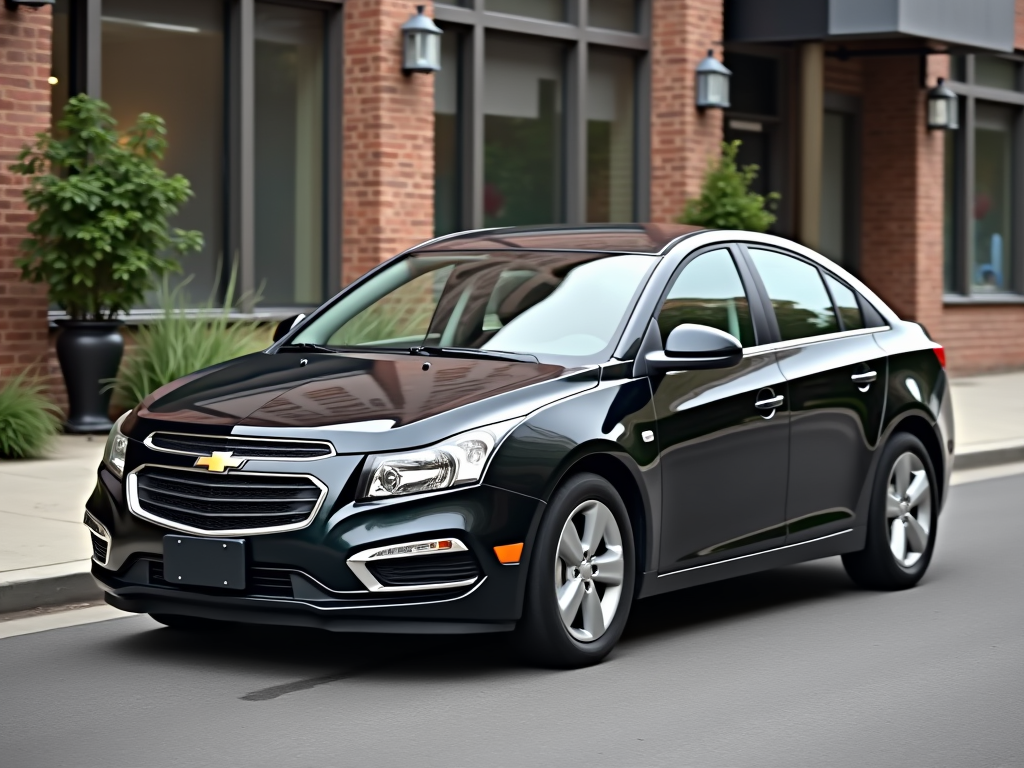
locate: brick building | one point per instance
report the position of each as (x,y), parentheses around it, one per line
(313,157)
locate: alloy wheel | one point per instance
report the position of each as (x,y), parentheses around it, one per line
(589,571)
(908,509)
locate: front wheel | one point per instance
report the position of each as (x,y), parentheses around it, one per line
(903,519)
(582,572)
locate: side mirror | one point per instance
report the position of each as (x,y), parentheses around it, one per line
(286,325)
(696,347)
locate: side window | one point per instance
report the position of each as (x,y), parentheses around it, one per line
(709,292)
(802,305)
(846,304)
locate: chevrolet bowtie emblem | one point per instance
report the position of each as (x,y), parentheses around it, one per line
(221,461)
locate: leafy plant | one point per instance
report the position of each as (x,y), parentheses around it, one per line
(102,204)
(28,420)
(182,341)
(726,201)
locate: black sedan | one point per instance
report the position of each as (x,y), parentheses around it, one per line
(528,429)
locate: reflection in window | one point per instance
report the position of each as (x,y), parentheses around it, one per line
(949,217)
(613,14)
(610,136)
(549,10)
(446,137)
(846,304)
(802,306)
(523,130)
(167,57)
(289,69)
(993,158)
(709,292)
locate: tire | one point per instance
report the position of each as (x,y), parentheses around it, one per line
(894,527)
(607,574)
(188,623)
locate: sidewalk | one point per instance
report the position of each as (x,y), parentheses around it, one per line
(45,549)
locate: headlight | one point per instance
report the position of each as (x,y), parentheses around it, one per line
(459,460)
(117,447)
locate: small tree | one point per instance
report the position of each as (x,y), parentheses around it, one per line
(101,203)
(726,201)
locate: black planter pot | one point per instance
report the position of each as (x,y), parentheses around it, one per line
(89,352)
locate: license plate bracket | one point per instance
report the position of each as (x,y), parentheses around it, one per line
(202,562)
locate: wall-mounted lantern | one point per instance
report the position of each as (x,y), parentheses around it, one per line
(12,5)
(712,83)
(943,113)
(421,44)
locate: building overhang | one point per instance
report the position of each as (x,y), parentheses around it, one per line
(975,24)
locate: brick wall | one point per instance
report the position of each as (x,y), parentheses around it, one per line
(388,140)
(24,111)
(683,138)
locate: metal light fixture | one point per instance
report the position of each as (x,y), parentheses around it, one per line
(421,44)
(943,113)
(12,5)
(712,83)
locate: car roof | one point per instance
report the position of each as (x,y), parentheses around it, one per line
(652,239)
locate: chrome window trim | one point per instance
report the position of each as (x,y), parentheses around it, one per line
(131,486)
(760,349)
(99,530)
(148,442)
(357,563)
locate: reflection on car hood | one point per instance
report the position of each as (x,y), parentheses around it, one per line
(363,392)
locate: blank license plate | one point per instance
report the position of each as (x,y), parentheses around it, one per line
(202,562)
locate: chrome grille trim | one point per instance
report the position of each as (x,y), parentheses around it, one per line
(241,442)
(135,506)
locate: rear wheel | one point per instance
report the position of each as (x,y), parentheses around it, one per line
(582,572)
(903,519)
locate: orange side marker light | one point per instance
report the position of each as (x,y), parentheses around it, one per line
(509,554)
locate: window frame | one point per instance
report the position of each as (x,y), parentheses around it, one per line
(239,225)
(970,94)
(472,21)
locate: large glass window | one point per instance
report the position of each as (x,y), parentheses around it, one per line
(614,14)
(709,292)
(523,131)
(549,10)
(167,57)
(447,216)
(610,136)
(801,303)
(289,69)
(993,194)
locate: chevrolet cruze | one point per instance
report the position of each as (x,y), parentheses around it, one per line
(526,430)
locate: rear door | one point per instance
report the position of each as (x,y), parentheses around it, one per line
(837,383)
(724,459)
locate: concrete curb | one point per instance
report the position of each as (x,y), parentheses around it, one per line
(47,585)
(989,454)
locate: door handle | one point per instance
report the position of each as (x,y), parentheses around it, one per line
(770,404)
(864,378)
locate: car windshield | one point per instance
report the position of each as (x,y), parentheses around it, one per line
(565,308)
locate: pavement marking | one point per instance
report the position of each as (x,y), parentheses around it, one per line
(963,476)
(266,694)
(60,620)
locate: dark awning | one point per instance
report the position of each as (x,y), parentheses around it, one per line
(981,24)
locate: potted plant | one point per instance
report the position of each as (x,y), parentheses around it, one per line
(726,200)
(100,238)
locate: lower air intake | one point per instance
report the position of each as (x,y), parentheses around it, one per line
(425,570)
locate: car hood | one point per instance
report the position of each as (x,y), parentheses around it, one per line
(377,396)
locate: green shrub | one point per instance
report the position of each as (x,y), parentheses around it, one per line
(726,201)
(182,341)
(28,421)
(101,204)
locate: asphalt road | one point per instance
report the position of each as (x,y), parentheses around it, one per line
(793,667)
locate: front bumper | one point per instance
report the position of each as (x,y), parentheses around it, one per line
(303,578)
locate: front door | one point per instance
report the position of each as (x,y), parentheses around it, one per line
(837,382)
(724,459)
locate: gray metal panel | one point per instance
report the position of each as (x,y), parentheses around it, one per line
(982,24)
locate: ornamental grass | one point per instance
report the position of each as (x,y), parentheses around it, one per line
(28,420)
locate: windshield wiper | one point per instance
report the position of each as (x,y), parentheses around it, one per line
(480,354)
(305,346)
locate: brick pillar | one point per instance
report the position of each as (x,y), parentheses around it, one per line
(388,194)
(902,248)
(24,112)
(683,138)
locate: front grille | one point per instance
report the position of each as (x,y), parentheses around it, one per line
(240,447)
(99,548)
(235,501)
(260,582)
(428,569)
